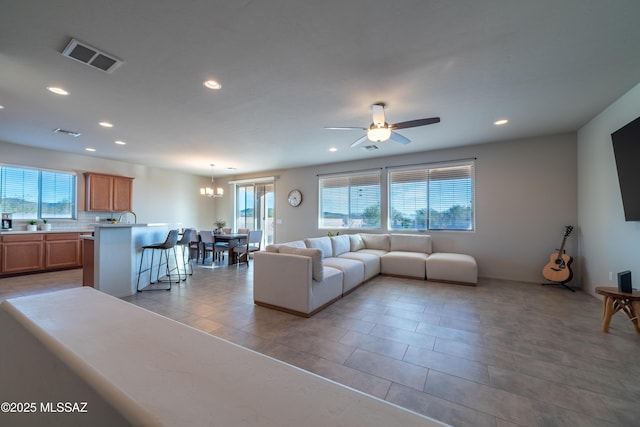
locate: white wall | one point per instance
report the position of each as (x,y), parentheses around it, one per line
(609,244)
(159,195)
(525,195)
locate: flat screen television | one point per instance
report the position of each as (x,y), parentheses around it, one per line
(626,149)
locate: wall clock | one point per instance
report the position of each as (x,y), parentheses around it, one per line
(295,198)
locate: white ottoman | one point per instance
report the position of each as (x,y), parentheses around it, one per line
(458,268)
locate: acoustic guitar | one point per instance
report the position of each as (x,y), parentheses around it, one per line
(558,270)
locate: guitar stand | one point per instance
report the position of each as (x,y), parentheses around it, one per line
(558,283)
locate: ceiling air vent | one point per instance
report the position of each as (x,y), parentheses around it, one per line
(369,147)
(91,56)
(67,132)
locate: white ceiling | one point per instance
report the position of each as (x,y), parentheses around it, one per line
(290,67)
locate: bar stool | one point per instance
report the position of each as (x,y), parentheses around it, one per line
(164,248)
(189,242)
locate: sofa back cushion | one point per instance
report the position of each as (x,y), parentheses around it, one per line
(294,244)
(411,243)
(340,244)
(322,243)
(356,242)
(376,241)
(317,268)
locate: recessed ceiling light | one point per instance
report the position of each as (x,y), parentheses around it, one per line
(120,142)
(501,122)
(106,124)
(1,107)
(212,84)
(333,149)
(57,90)
(90,149)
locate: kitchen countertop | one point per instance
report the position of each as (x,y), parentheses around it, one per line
(81,230)
(123,225)
(67,230)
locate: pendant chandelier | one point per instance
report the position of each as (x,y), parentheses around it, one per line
(212,191)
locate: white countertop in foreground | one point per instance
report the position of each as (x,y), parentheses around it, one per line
(155,371)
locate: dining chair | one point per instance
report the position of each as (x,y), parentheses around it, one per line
(206,243)
(194,246)
(219,248)
(243,231)
(226,231)
(253,243)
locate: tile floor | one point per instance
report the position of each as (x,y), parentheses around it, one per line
(499,354)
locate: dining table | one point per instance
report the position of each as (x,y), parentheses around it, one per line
(233,239)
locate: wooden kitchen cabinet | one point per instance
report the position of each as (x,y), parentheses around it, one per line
(22,253)
(62,250)
(108,193)
(34,252)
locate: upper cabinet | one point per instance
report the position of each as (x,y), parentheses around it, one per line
(108,193)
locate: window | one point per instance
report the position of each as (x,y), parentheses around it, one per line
(33,194)
(350,201)
(436,197)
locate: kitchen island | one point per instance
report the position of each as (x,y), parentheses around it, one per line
(117,252)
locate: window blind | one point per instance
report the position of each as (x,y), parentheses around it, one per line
(350,201)
(438,197)
(32,193)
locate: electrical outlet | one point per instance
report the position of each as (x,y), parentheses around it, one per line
(610,276)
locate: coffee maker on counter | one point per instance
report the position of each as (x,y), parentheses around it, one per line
(7,222)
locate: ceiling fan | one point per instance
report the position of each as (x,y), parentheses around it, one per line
(380,130)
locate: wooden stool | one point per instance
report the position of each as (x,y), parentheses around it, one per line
(615,301)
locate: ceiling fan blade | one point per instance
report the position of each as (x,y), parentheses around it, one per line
(415,123)
(378,114)
(344,128)
(359,141)
(399,138)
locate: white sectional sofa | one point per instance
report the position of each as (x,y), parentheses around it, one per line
(304,276)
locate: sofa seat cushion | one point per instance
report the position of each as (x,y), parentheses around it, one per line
(352,271)
(371,262)
(459,268)
(401,263)
(377,252)
(323,293)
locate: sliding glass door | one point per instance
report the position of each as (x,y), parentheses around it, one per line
(255,203)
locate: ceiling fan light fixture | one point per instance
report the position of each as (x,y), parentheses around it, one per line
(57,90)
(212,84)
(378,134)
